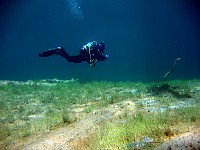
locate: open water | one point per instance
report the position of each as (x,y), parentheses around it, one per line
(142,37)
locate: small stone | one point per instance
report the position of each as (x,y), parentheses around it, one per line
(36,117)
(169,147)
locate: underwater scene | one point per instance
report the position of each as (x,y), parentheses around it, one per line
(100,75)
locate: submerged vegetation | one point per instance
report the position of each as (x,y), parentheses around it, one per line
(147,130)
(162,111)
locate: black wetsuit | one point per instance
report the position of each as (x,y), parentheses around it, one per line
(90,53)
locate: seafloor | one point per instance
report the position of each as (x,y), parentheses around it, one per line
(72,114)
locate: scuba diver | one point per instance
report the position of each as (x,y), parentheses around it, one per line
(92,52)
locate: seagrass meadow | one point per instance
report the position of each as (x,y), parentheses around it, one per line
(118,115)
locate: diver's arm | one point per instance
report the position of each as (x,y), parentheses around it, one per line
(103,57)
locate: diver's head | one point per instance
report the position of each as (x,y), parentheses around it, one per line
(101,46)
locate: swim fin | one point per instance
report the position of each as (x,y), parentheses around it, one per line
(58,51)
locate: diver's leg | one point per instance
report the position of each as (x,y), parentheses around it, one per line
(58,51)
(75,59)
(61,51)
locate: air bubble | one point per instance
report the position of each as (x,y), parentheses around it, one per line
(75,9)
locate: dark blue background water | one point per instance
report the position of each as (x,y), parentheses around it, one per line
(143,38)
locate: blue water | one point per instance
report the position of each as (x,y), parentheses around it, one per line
(143,38)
